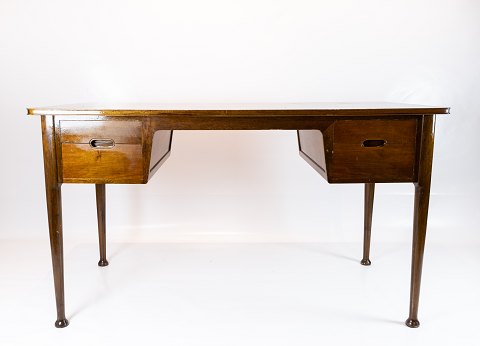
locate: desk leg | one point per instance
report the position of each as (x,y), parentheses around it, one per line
(54,209)
(100,194)
(367,231)
(422,196)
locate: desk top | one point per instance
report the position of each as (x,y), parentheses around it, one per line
(241,109)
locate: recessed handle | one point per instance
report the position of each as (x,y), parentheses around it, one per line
(102,143)
(373,143)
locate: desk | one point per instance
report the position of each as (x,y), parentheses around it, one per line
(365,143)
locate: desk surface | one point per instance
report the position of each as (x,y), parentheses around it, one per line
(241,109)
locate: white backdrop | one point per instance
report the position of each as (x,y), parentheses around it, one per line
(240,186)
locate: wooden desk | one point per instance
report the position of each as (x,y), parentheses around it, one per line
(364,143)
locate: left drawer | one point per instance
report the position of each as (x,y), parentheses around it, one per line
(101,152)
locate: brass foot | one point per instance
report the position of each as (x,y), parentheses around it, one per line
(365,262)
(412,323)
(61,323)
(103,263)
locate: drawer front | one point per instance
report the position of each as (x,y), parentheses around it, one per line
(120,131)
(83,163)
(98,151)
(373,151)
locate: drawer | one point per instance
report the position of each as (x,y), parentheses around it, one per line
(120,131)
(372,151)
(82,163)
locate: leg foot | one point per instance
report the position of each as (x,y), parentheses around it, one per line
(365,262)
(412,323)
(61,323)
(103,263)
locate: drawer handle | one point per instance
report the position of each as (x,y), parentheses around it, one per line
(373,143)
(102,143)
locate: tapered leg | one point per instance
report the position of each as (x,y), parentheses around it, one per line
(54,209)
(422,196)
(100,193)
(367,231)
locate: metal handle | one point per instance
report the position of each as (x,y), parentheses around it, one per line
(102,143)
(372,143)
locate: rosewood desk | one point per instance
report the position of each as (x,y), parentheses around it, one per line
(363,143)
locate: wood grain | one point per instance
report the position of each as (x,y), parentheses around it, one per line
(339,153)
(100,194)
(312,150)
(352,162)
(161,145)
(241,109)
(122,164)
(54,208)
(367,222)
(125,132)
(420,216)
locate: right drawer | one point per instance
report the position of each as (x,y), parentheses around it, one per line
(373,151)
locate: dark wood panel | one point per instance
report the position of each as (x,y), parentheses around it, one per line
(161,145)
(355,161)
(121,164)
(311,143)
(120,131)
(239,123)
(312,149)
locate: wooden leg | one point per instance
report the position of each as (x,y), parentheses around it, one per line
(422,196)
(54,208)
(100,194)
(367,231)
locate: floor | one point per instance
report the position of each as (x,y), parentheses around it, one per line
(238,294)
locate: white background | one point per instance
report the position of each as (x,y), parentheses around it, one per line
(237,187)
